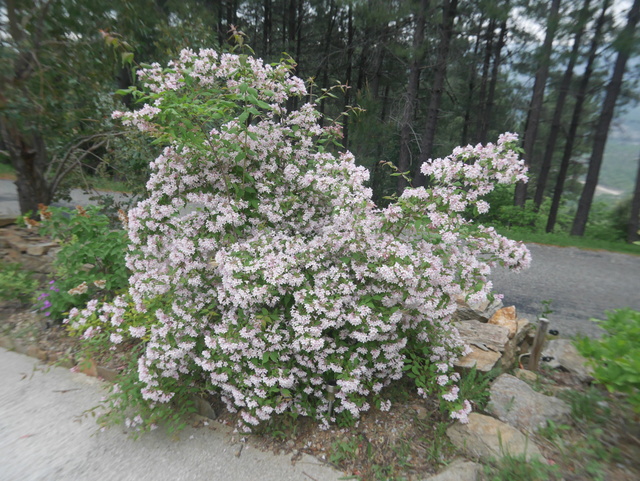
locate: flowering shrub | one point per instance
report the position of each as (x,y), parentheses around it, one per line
(89,263)
(284,276)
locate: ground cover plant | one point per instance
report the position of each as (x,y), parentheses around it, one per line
(616,357)
(90,263)
(283,276)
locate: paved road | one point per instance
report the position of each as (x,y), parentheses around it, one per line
(9,206)
(44,437)
(581,284)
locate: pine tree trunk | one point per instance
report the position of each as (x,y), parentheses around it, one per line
(267,28)
(604,122)
(378,58)
(347,93)
(563,91)
(484,80)
(471,87)
(408,112)
(449,11)
(535,107)
(495,71)
(323,68)
(26,148)
(575,119)
(29,159)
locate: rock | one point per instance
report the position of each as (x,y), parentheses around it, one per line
(484,361)
(15,241)
(203,408)
(7,343)
(88,367)
(459,470)
(421,411)
(487,438)
(506,317)
(35,351)
(566,356)
(21,246)
(525,375)
(40,248)
(507,313)
(515,346)
(514,402)
(12,256)
(523,331)
(477,311)
(487,343)
(483,336)
(107,374)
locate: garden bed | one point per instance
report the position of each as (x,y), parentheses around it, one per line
(409,442)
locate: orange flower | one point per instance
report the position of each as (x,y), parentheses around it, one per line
(44,211)
(31,223)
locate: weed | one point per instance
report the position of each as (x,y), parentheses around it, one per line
(474,386)
(510,468)
(344,450)
(616,357)
(590,405)
(546,308)
(439,447)
(553,431)
(16,284)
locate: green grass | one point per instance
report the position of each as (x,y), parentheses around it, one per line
(512,468)
(100,183)
(7,171)
(565,240)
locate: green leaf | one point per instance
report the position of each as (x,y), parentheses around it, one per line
(126,58)
(242,119)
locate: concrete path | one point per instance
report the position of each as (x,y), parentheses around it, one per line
(44,437)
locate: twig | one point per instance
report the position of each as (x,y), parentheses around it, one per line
(308,475)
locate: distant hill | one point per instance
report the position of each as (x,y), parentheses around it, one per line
(620,162)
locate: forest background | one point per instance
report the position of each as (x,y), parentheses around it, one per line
(417,78)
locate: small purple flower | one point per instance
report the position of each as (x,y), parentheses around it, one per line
(46,304)
(47,314)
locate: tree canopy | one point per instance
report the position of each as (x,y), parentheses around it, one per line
(427,74)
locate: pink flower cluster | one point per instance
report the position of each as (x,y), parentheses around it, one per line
(284,275)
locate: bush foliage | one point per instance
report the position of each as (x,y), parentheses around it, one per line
(616,357)
(90,262)
(278,275)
